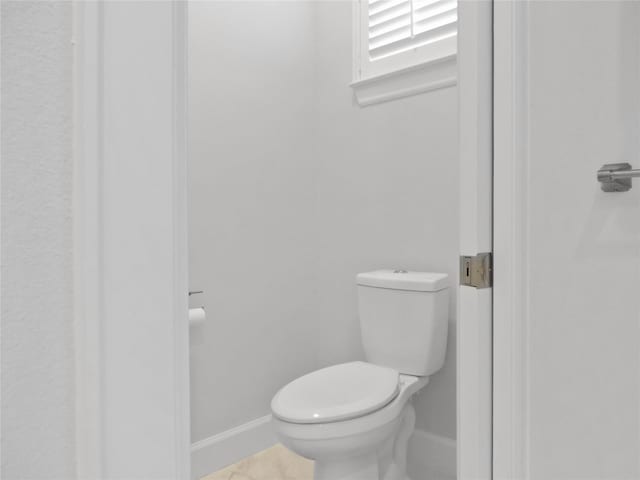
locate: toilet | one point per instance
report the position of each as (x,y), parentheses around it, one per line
(355,419)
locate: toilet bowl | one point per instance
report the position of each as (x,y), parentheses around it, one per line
(355,419)
(358,430)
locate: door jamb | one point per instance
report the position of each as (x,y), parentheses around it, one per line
(87,232)
(474,354)
(511,261)
(104,207)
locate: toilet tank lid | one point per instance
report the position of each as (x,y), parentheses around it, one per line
(404,280)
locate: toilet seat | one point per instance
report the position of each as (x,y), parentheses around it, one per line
(362,425)
(336,393)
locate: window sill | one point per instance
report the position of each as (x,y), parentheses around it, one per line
(425,77)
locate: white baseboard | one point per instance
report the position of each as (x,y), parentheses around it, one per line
(216,452)
(431,457)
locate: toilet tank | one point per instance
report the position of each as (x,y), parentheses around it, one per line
(404,319)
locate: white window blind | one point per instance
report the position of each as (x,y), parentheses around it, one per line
(403,47)
(396,26)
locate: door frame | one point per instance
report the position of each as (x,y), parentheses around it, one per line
(474,341)
(511,261)
(130,240)
(111,441)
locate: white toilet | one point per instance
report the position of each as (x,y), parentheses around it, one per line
(355,419)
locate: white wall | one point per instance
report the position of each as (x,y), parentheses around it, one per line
(298,189)
(251,205)
(387,196)
(37,343)
(583,395)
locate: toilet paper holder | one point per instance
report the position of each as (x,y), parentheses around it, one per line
(196,292)
(197,313)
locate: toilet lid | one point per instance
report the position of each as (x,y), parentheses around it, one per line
(336,393)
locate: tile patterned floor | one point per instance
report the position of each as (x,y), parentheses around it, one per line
(275,463)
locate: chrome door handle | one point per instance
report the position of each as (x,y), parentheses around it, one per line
(616,177)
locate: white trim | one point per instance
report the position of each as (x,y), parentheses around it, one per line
(431,457)
(511,260)
(216,452)
(132,396)
(87,233)
(474,305)
(441,73)
(181,350)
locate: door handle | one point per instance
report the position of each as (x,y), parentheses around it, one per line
(616,177)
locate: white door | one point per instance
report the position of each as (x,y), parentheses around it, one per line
(567,254)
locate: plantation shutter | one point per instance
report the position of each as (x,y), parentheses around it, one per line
(396,26)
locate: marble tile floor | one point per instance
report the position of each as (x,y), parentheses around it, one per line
(275,463)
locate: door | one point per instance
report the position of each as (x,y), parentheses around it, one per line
(567,254)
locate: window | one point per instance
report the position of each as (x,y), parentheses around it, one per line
(395,36)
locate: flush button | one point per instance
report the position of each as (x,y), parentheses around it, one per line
(400,271)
